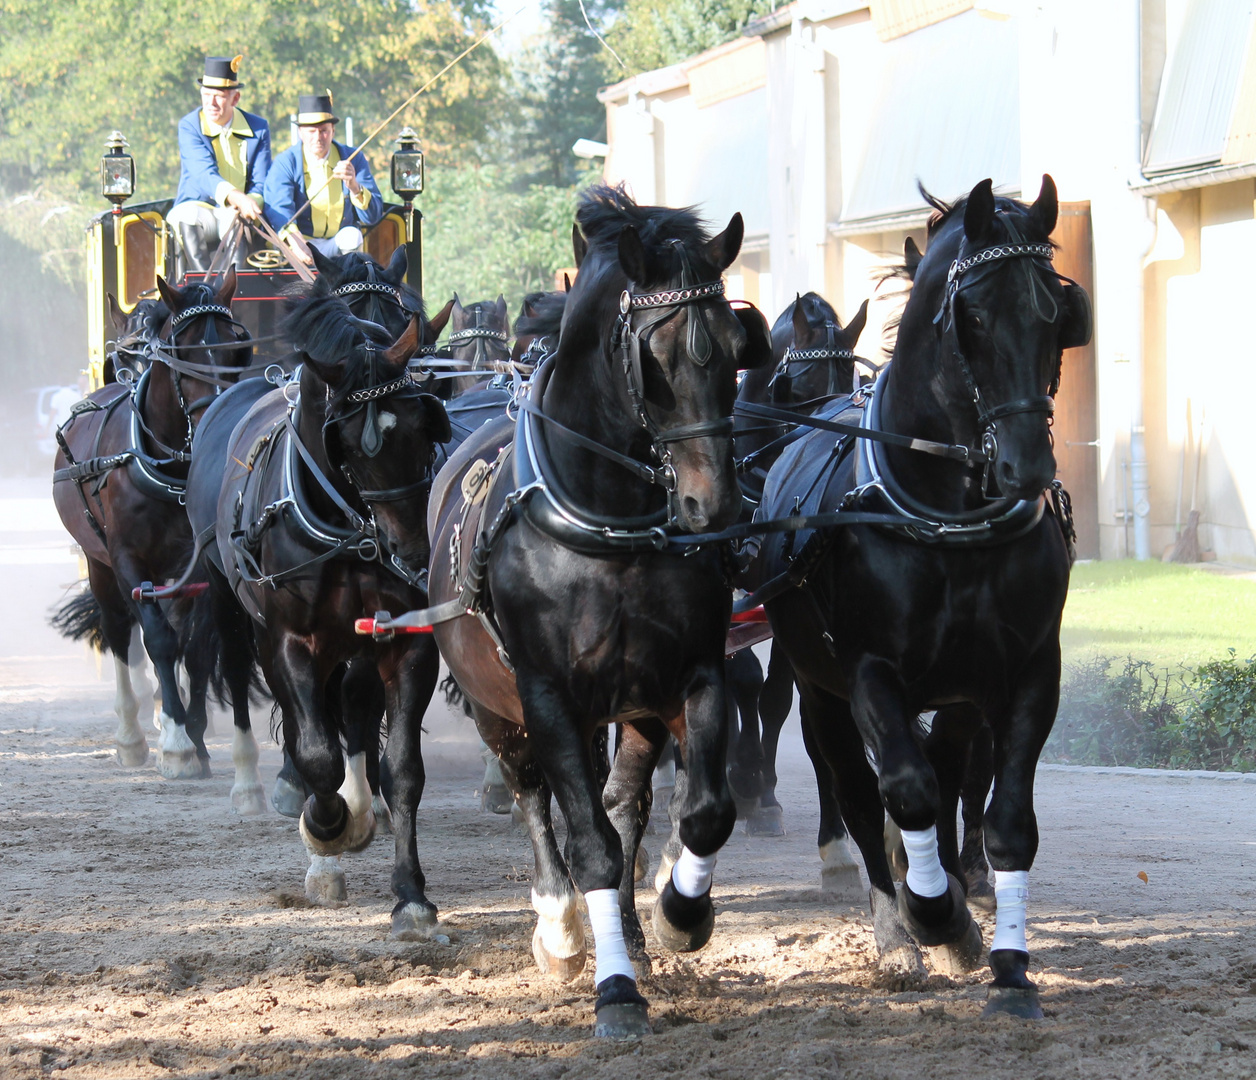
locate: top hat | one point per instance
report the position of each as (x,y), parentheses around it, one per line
(220,73)
(315,109)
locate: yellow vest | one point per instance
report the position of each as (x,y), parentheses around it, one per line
(327,206)
(229,148)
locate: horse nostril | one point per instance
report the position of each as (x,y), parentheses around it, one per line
(694,514)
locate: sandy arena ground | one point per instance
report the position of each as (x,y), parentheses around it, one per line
(146,932)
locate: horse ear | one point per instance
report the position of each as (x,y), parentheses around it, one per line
(116,315)
(1046,209)
(227,290)
(566,282)
(405,346)
(799,319)
(758,350)
(437,418)
(326,267)
(437,322)
(722,250)
(855,327)
(169,294)
(979,212)
(911,257)
(502,313)
(579,245)
(632,256)
(397,266)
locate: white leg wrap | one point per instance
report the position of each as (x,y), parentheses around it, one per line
(608,935)
(1011,894)
(925,876)
(692,873)
(355,791)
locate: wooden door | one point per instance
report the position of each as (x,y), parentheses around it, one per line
(1076,423)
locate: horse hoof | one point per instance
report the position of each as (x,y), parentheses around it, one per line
(383,816)
(622,1013)
(248,800)
(286,798)
(325,882)
(562,968)
(132,755)
(959,957)
(641,867)
(903,964)
(842,884)
(747,806)
(980,892)
(496,799)
(412,921)
(936,920)
(180,765)
(682,923)
(1012,1001)
(765,821)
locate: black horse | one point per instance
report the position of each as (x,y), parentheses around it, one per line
(814,362)
(556,536)
(374,293)
(120,478)
(961,600)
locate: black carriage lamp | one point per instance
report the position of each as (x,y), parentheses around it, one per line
(407,174)
(117,175)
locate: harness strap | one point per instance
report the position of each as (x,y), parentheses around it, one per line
(638,468)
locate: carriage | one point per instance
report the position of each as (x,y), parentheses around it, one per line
(128,247)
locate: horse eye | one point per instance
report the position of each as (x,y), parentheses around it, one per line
(974,321)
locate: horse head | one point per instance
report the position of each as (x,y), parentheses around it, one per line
(650,283)
(538,326)
(376,293)
(814,352)
(479,332)
(379,431)
(997,317)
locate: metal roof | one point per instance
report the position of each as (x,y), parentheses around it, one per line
(947,113)
(1199,87)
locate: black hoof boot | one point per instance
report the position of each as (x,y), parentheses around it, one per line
(1011,992)
(936,920)
(622,1013)
(681,923)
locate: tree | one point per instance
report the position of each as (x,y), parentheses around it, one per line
(558,79)
(655,33)
(71,71)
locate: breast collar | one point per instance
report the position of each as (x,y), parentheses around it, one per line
(999,522)
(141,468)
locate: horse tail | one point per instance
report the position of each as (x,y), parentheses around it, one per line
(200,645)
(455,696)
(80,618)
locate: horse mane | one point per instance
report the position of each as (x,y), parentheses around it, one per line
(603,211)
(322,328)
(542,314)
(149,317)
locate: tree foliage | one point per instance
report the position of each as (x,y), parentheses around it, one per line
(655,33)
(72,71)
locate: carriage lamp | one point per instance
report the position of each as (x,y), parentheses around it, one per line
(117,176)
(407,174)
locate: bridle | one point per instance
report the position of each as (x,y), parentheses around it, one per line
(665,303)
(480,334)
(965,264)
(829,351)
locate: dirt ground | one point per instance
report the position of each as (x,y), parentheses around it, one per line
(145,931)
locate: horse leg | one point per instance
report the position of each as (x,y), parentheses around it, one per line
(775,700)
(839,873)
(835,737)
(116,623)
(178,756)
(558,943)
(627,799)
(495,793)
(235,631)
(362,699)
(744,678)
(684,916)
(367,737)
(972,857)
(931,903)
(596,861)
(409,670)
(1011,827)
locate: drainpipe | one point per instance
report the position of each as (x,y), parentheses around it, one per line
(1139,483)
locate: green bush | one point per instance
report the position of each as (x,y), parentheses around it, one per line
(1149,718)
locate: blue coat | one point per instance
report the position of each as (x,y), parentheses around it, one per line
(198,167)
(285,191)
